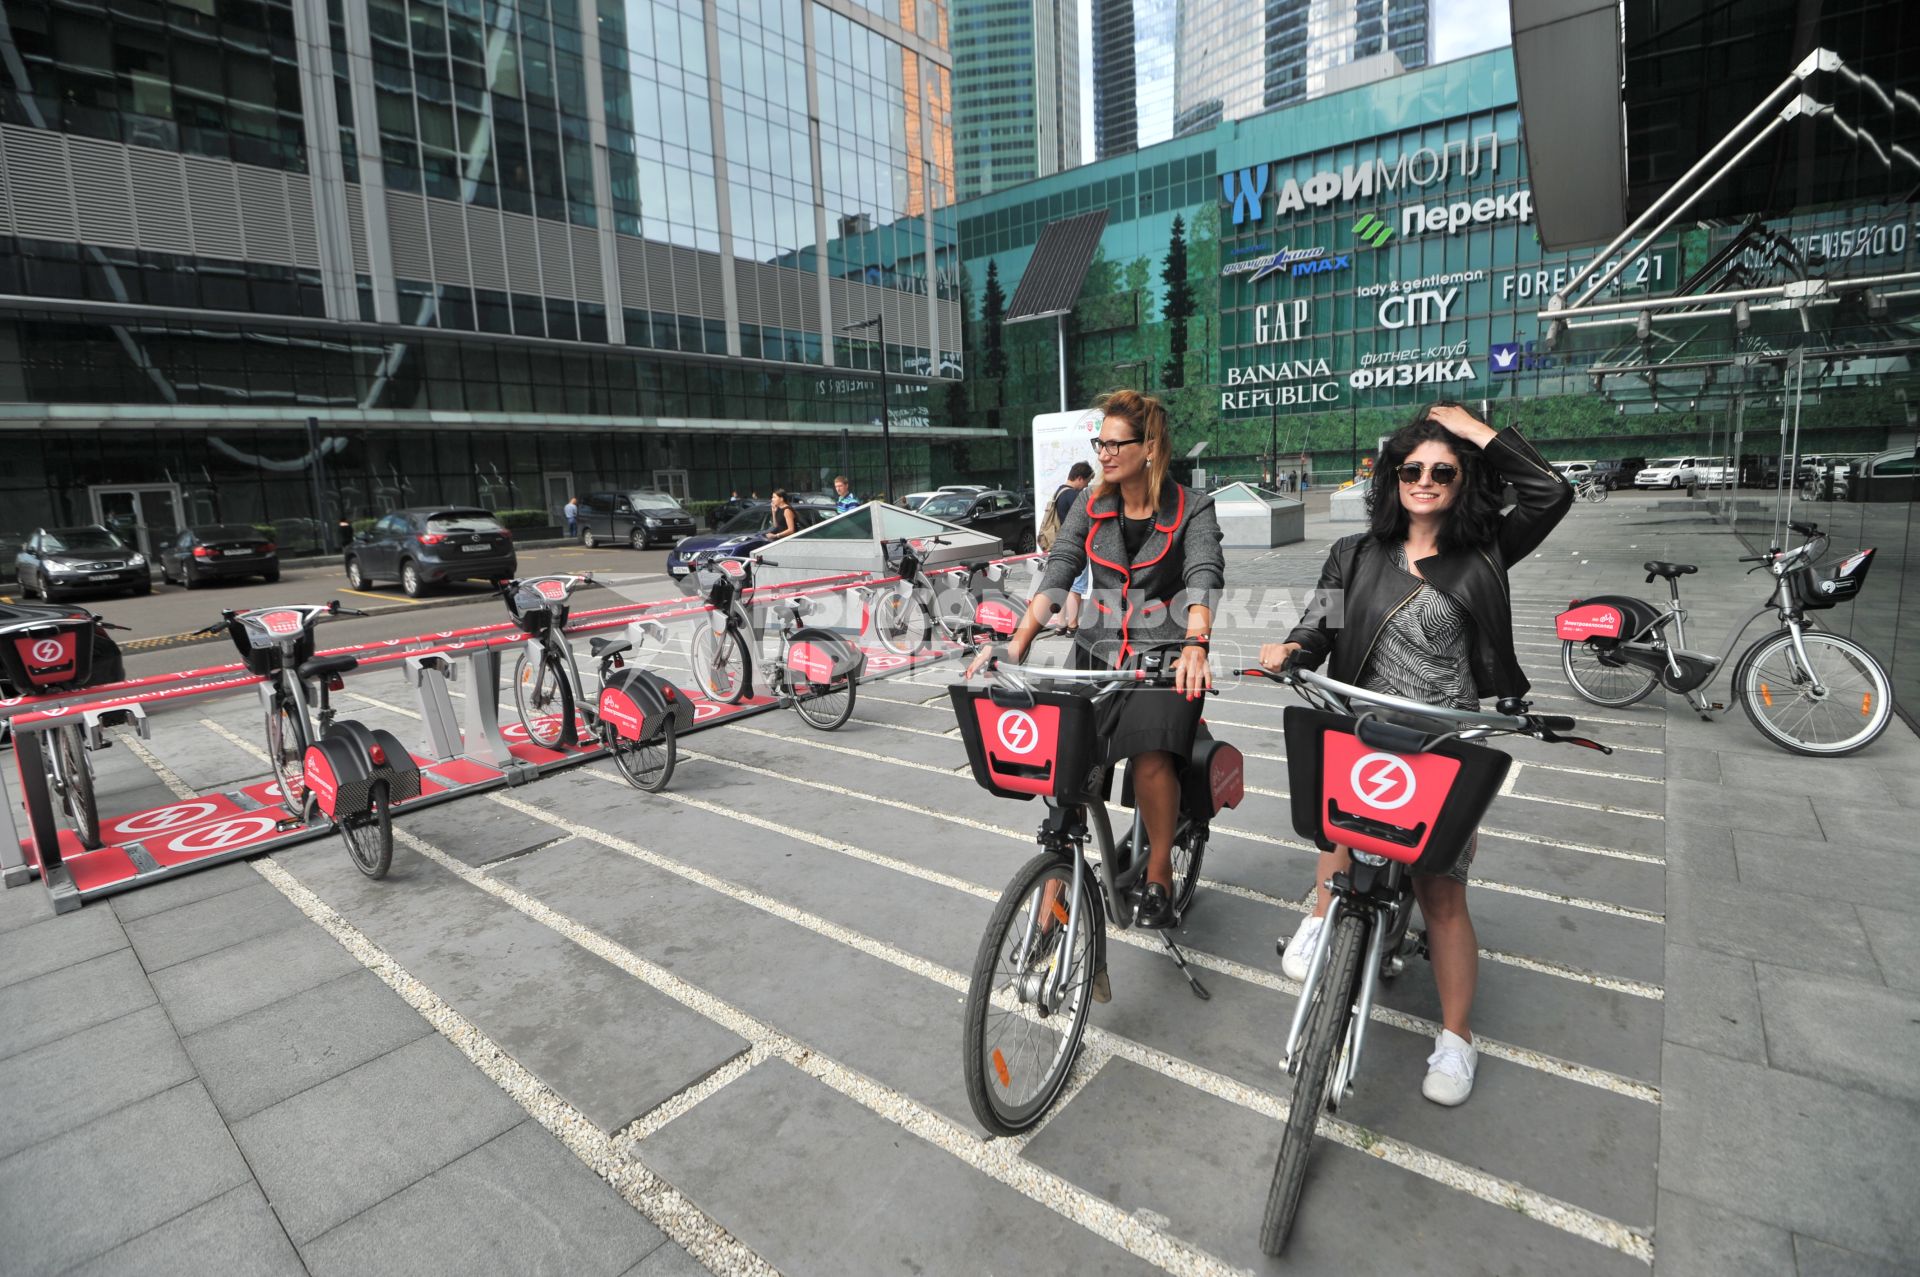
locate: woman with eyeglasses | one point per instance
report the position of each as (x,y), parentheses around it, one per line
(1154,547)
(1426,615)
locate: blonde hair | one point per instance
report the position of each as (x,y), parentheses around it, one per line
(1148,417)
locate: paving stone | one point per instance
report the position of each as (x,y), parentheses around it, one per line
(30,952)
(1821,1160)
(519,1204)
(608,1043)
(335,1149)
(1742,807)
(258,1059)
(1712,1004)
(1822,778)
(35,1012)
(163,939)
(1749,922)
(24,905)
(171,893)
(478,832)
(234,1235)
(1826,871)
(69,1198)
(1147,1143)
(668,1260)
(217,986)
(1861,1036)
(1818,1259)
(1579,825)
(1895,937)
(814,1182)
(75,1079)
(1693,1239)
(1694,764)
(1858,824)
(1697,847)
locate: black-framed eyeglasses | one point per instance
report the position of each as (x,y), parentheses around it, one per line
(1444,472)
(1101,447)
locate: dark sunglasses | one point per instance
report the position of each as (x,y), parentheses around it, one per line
(1443,472)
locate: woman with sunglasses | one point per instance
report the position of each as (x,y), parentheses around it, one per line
(1427,617)
(1154,548)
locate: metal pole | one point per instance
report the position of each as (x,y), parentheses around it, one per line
(1273,444)
(317,468)
(1353,424)
(1061,323)
(886,413)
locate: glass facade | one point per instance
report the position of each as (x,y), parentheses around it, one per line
(1237,60)
(1134,63)
(1016,69)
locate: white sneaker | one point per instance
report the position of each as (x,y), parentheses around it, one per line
(1450,1069)
(1298,955)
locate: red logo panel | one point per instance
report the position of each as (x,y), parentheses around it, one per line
(317,772)
(810,662)
(1024,739)
(1379,801)
(49,659)
(624,713)
(1595,620)
(996,616)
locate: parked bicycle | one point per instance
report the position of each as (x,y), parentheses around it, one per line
(966,604)
(636,715)
(1806,690)
(52,648)
(1043,957)
(1399,784)
(1591,488)
(348,772)
(815,671)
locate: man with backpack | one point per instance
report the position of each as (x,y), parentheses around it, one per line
(1069,492)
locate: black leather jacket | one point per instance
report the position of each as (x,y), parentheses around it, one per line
(1357,596)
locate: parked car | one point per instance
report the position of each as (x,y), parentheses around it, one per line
(1889,476)
(1619,472)
(1574,471)
(1002,514)
(1716,472)
(1667,472)
(54,562)
(914,500)
(638,518)
(429,546)
(965,487)
(745,533)
(219,552)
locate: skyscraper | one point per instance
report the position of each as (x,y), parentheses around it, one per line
(1134,62)
(1016,91)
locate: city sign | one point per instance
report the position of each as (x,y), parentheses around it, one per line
(1411,310)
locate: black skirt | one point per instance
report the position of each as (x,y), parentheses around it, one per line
(1146,719)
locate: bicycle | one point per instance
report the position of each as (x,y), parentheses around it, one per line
(637,716)
(1591,488)
(816,671)
(1403,795)
(968,607)
(350,773)
(1041,963)
(1807,691)
(47,649)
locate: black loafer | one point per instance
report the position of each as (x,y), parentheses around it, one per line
(1155,910)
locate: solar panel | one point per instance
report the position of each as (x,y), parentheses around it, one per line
(1053,277)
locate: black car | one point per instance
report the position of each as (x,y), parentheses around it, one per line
(430,546)
(635,517)
(219,552)
(1002,514)
(60,561)
(742,534)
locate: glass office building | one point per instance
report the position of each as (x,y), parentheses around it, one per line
(1134,67)
(492,249)
(1016,91)
(1359,254)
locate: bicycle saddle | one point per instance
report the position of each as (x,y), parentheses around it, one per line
(1669,570)
(323,666)
(605,647)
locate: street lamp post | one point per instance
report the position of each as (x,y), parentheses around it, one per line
(879,324)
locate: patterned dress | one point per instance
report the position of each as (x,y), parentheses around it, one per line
(1423,655)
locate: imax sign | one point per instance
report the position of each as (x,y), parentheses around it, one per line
(1293,261)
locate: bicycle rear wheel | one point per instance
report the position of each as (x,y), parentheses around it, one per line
(1017,1047)
(77,785)
(287,752)
(1189,849)
(825,706)
(900,623)
(545,698)
(1779,697)
(719,664)
(1325,1029)
(369,836)
(1595,680)
(647,765)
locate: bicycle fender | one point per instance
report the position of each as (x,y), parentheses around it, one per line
(1585,618)
(637,701)
(815,655)
(346,773)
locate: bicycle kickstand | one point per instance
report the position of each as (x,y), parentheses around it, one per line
(1180,960)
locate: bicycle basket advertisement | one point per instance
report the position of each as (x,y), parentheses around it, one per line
(1849,575)
(1417,808)
(1028,746)
(49,654)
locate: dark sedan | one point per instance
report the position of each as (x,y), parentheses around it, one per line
(54,562)
(1001,514)
(219,552)
(741,535)
(429,546)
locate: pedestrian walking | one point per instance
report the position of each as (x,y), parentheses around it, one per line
(572,513)
(844,500)
(1079,475)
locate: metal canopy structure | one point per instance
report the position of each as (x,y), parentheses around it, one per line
(1051,284)
(855,541)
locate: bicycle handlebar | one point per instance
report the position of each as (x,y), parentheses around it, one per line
(1544,727)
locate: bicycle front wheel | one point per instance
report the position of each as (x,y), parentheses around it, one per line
(1848,711)
(1326,1028)
(77,785)
(369,836)
(647,765)
(1594,679)
(1019,1039)
(1189,849)
(901,624)
(826,706)
(719,664)
(287,752)
(545,698)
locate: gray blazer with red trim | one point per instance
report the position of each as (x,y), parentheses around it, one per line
(1143,599)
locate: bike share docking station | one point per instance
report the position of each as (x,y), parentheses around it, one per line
(459,751)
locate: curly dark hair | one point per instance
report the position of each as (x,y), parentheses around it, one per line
(1474,517)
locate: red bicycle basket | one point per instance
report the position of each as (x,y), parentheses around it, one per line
(1419,808)
(1022,747)
(52,653)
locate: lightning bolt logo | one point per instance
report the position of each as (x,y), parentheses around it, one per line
(1018,732)
(1382,781)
